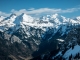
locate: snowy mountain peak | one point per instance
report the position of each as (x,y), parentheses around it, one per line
(55,15)
(13,15)
(78,18)
(26,18)
(54,21)
(1,18)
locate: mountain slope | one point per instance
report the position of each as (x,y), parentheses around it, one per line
(69,50)
(31,36)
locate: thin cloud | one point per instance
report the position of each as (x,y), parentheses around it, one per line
(4,14)
(45,11)
(31,9)
(40,11)
(70,10)
(19,12)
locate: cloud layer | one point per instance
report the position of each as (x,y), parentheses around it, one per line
(4,14)
(40,11)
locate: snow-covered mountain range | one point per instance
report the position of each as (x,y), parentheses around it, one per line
(44,23)
(53,21)
(37,34)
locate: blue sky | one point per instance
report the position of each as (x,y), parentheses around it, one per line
(68,8)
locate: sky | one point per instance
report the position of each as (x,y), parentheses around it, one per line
(67,8)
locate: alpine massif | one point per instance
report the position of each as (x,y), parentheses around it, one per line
(50,37)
